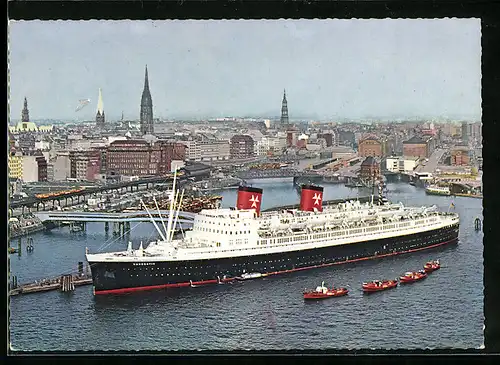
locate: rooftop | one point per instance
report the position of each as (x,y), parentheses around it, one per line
(416,140)
(369,161)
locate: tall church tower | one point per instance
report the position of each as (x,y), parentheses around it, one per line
(147,126)
(284,111)
(99,117)
(25,117)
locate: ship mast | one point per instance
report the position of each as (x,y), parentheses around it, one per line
(169,224)
(161,218)
(152,220)
(179,204)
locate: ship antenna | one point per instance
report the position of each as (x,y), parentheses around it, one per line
(152,220)
(177,215)
(161,218)
(169,224)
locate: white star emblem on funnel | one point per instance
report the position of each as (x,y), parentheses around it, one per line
(316,198)
(254,199)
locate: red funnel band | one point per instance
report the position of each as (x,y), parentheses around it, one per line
(311,197)
(249,198)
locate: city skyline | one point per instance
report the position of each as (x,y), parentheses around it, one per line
(211,69)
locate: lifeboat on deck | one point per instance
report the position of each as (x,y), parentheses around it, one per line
(432,266)
(378,285)
(411,277)
(323,292)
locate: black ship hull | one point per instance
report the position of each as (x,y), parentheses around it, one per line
(121,277)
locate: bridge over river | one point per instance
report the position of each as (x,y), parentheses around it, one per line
(50,202)
(276,173)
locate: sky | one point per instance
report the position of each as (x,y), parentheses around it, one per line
(331,69)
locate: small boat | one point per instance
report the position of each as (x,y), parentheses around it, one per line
(249,276)
(437,190)
(411,277)
(432,266)
(323,292)
(378,285)
(12,250)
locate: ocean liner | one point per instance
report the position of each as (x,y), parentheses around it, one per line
(243,242)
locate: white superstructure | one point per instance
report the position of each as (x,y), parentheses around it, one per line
(222,233)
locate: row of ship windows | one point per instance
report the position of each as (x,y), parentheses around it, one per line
(328,235)
(264,242)
(224,224)
(307,239)
(318,260)
(153,268)
(213,230)
(315,261)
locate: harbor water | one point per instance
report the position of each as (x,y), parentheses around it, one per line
(443,311)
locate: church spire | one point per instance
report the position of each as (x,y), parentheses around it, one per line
(146,117)
(146,80)
(100,105)
(284,110)
(99,117)
(25,117)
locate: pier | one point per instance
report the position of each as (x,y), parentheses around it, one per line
(63,283)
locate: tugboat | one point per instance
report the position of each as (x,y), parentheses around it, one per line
(378,285)
(411,277)
(323,292)
(432,266)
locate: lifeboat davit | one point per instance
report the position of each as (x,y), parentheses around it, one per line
(432,266)
(378,285)
(411,277)
(323,292)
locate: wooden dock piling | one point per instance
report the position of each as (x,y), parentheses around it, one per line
(477,224)
(29,245)
(67,283)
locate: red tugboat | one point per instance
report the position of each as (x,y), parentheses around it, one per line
(411,277)
(323,292)
(378,285)
(432,266)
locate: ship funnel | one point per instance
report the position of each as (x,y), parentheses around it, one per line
(311,198)
(249,198)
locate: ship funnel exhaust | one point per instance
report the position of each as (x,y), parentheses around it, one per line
(249,198)
(311,197)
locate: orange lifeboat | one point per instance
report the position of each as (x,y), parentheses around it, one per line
(378,285)
(432,266)
(411,277)
(323,292)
